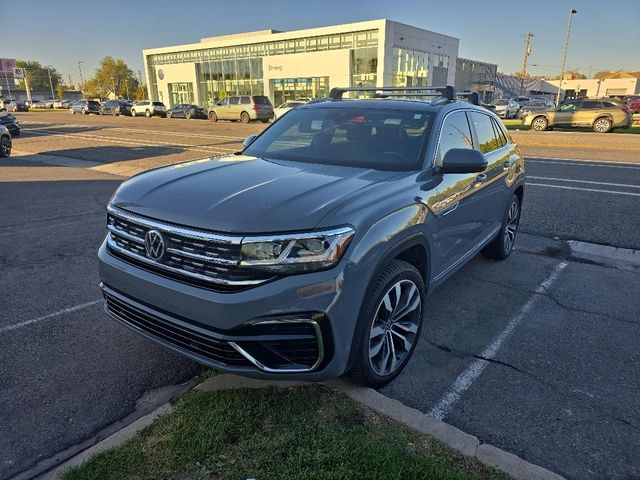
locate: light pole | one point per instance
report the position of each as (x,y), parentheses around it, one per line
(527,52)
(564,57)
(53,97)
(80,62)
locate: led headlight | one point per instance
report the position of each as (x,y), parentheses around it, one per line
(296,252)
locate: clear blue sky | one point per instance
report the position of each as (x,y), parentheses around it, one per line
(605,35)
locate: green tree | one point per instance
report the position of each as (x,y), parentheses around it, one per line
(37,75)
(141,93)
(60,90)
(112,77)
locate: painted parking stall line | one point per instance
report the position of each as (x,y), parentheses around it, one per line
(442,408)
(594,190)
(64,311)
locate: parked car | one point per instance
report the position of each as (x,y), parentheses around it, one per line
(10,122)
(47,104)
(505,108)
(85,107)
(535,105)
(187,110)
(5,142)
(59,103)
(15,106)
(115,107)
(67,103)
(148,109)
(630,98)
(284,108)
(311,253)
(601,116)
(634,105)
(242,107)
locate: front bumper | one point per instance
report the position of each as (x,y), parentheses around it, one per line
(234,322)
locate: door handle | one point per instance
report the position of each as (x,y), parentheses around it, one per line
(481,178)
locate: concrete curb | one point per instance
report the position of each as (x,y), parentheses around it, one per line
(615,255)
(462,442)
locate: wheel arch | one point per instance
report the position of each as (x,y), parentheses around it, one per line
(606,115)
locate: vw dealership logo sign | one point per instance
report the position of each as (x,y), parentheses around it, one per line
(154,244)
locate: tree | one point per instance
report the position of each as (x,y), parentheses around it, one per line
(141,93)
(112,77)
(37,75)
(60,90)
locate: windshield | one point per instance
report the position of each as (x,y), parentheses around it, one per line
(377,138)
(501,102)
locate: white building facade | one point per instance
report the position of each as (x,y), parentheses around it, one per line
(598,88)
(301,64)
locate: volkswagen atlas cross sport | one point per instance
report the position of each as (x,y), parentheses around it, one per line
(310,253)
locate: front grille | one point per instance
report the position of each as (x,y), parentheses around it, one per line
(196,257)
(181,335)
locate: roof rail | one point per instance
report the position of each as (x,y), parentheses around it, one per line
(447,92)
(471,97)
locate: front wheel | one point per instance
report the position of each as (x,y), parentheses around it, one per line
(187,115)
(502,246)
(5,147)
(389,325)
(603,125)
(147,114)
(133,112)
(84,111)
(244,117)
(73,112)
(213,117)
(540,124)
(169,114)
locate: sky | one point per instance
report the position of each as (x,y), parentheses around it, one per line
(605,34)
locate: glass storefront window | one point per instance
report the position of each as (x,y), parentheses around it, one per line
(290,89)
(410,67)
(180,93)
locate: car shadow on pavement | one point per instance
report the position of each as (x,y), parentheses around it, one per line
(44,129)
(105,154)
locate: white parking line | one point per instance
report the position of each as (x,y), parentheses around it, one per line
(585,181)
(46,317)
(597,190)
(442,408)
(584,163)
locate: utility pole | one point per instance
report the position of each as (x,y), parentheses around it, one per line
(53,97)
(6,79)
(564,57)
(527,52)
(80,62)
(26,86)
(69,76)
(590,67)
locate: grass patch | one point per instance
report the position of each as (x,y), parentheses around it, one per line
(309,432)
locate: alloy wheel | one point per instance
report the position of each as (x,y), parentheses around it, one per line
(539,124)
(5,147)
(395,327)
(602,125)
(511,227)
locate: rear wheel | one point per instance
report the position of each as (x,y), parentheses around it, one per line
(169,114)
(540,124)
(502,246)
(389,325)
(264,120)
(5,146)
(213,117)
(187,115)
(602,125)
(133,113)
(84,111)
(244,117)
(147,113)
(73,112)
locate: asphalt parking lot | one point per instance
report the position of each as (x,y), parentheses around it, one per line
(536,355)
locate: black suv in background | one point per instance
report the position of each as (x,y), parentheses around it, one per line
(115,107)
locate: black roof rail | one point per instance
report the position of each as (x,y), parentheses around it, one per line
(447,92)
(472,97)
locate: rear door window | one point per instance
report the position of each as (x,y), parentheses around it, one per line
(486,140)
(245,100)
(500,137)
(234,100)
(591,105)
(261,100)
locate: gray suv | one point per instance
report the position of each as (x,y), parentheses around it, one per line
(242,107)
(311,253)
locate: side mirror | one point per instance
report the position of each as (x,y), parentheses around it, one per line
(249,140)
(463,160)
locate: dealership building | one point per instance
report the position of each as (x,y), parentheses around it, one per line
(300,64)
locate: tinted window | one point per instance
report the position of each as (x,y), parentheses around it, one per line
(501,139)
(455,134)
(591,105)
(567,107)
(368,138)
(485,135)
(245,100)
(234,100)
(158,104)
(93,102)
(224,101)
(261,100)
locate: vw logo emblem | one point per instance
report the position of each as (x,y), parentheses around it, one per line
(154,244)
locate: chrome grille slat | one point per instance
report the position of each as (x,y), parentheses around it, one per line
(200,258)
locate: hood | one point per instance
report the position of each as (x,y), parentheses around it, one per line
(242,194)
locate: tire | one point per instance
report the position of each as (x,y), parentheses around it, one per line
(73,112)
(502,246)
(374,364)
(213,117)
(147,113)
(244,117)
(187,115)
(5,146)
(264,120)
(133,112)
(603,125)
(169,114)
(539,124)
(84,111)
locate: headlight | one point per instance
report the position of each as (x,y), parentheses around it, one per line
(296,252)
